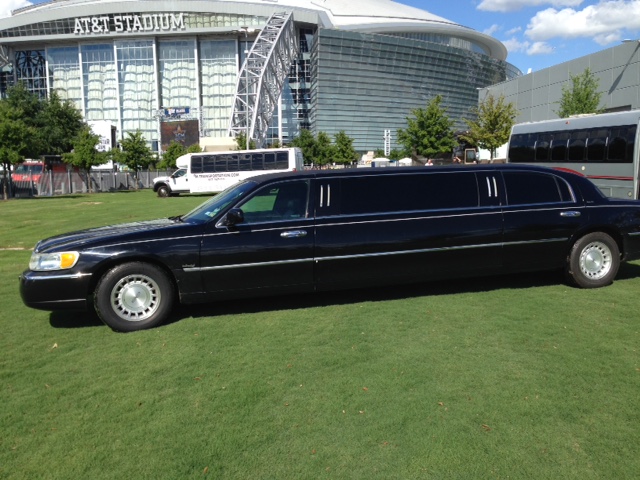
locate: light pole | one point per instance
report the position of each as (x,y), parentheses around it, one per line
(246,31)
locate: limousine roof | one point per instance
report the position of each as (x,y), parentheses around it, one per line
(589,191)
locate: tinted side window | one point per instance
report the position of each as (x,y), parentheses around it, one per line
(577,146)
(596,144)
(542,147)
(559,147)
(281,201)
(524,188)
(406,192)
(621,143)
(521,148)
(196,164)
(282,160)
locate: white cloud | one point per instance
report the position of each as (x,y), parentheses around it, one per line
(514,30)
(514,45)
(602,22)
(492,29)
(539,48)
(8,5)
(514,5)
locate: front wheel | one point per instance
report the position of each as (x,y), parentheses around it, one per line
(164,191)
(134,296)
(593,261)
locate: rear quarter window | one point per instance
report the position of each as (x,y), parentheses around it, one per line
(525,188)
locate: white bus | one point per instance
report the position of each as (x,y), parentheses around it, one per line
(605,148)
(213,172)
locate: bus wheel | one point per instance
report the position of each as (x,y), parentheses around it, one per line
(134,296)
(164,191)
(593,261)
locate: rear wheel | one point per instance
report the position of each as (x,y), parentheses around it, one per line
(134,296)
(593,261)
(164,191)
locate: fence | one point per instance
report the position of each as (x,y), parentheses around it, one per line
(64,183)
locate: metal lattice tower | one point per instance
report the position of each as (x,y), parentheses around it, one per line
(262,77)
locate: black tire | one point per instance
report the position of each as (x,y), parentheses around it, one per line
(134,296)
(594,261)
(163,191)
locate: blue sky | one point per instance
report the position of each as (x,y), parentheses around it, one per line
(537,33)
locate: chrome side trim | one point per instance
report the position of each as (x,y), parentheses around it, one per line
(369,255)
(247,265)
(71,276)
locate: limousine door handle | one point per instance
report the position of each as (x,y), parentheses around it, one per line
(294,234)
(570,213)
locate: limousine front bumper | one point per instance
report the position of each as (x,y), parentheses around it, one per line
(55,291)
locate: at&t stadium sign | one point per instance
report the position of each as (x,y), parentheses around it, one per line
(151,22)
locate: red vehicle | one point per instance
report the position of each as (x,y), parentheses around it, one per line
(28,171)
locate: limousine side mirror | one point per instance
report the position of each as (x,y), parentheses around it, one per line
(233,217)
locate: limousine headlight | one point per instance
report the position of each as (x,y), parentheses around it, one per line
(42,262)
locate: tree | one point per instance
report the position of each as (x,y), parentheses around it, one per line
(344,153)
(135,153)
(15,140)
(582,97)
(324,150)
(306,142)
(85,155)
(492,127)
(171,154)
(429,132)
(59,124)
(241,142)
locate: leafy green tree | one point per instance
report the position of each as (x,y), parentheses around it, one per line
(135,153)
(22,104)
(169,157)
(241,142)
(429,132)
(15,140)
(581,97)
(85,155)
(306,142)
(59,124)
(344,153)
(325,150)
(492,127)
(194,148)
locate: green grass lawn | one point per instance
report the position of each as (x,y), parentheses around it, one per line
(516,377)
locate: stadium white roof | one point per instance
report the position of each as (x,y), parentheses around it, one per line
(367,16)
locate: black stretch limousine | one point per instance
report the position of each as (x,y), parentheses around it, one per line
(323,230)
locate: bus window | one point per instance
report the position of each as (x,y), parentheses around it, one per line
(245,163)
(231,163)
(196,164)
(596,145)
(208,164)
(221,163)
(621,141)
(559,147)
(521,148)
(542,147)
(577,146)
(282,161)
(257,161)
(269,161)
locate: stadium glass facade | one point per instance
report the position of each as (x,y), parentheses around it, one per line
(367,83)
(136,68)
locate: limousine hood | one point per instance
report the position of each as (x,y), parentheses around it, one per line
(104,235)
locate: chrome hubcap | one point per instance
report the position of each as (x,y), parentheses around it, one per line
(135,297)
(595,260)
